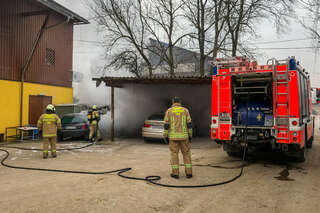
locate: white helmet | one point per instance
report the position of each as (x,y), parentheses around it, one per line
(50,107)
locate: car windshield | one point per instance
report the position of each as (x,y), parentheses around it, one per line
(157,117)
(72,120)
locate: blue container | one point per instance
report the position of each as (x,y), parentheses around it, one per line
(215,70)
(256,114)
(36,133)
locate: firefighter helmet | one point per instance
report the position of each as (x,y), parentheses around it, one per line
(94,107)
(50,107)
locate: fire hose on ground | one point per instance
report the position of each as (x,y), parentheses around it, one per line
(153,179)
(120,172)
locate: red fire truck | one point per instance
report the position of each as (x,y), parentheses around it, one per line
(261,106)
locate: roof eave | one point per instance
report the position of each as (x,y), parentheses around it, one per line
(76,19)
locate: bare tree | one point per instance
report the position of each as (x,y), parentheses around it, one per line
(122,21)
(313,7)
(244,15)
(206,18)
(163,18)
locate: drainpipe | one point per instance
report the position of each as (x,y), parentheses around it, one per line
(34,47)
(25,67)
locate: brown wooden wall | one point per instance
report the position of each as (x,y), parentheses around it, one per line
(17,35)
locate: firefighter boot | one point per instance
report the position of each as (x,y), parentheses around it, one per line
(174,176)
(186,153)
(45,155)
(54,153)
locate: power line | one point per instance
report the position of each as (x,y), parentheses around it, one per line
(286,48)
(281,41)
(87,41)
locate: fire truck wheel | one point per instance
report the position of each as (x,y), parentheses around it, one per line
(301,155)
(310,142)
(234,154)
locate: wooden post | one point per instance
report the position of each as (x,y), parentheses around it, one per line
(112,113)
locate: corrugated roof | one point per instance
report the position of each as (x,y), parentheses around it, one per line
(178,79)
(53,5)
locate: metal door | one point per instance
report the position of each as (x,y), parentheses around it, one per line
(37,106)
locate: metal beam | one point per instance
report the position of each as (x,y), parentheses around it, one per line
(112,113)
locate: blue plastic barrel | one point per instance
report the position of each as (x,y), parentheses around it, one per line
(215,70)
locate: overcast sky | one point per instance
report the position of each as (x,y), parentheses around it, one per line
(88,55)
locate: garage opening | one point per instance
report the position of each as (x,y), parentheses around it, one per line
(134,100)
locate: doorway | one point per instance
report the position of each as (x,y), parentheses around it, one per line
(37,106)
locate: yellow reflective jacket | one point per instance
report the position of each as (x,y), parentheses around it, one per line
(49,123)
(177,119)
(94,117)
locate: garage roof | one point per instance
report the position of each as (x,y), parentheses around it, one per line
(119,81)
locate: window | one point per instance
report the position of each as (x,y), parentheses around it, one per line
(73,120)
(50,57)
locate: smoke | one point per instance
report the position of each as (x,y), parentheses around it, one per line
(136,102)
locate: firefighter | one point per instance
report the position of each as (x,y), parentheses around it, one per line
(48,123)
(178,128)
(94,118)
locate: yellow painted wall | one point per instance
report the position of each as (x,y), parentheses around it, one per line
(10,100)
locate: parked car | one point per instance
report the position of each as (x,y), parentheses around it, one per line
(153,127)
(74,125)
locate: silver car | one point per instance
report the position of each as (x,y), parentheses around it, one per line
(153,127)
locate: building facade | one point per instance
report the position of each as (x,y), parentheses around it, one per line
(36,47)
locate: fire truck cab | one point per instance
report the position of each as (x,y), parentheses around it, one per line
(261,106)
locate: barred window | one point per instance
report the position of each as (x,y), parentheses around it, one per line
(50,57)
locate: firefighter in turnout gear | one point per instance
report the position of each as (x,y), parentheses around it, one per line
(94,118)
(178,128)
(48,123)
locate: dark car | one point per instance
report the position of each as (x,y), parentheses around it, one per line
(74,125)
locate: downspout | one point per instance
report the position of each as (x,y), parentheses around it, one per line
(25,67)
(34,47)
